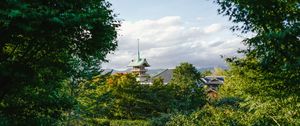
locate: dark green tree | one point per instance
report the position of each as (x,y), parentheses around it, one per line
(268,76)
(43,45)
(276,45)
(188,88)
(263,86)
(185,75)
(120,96)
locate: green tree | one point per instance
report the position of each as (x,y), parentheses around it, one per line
(185,75)
(276,45)
(268,76)
(158,81)
(218,71)
(120,96)
(262,87)
(186,83)
(43,45)
(206,73)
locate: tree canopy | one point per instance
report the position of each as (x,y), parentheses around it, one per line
(261,88)
(276,25)
(185,74)
(276,46)
(42,45)
(51,53)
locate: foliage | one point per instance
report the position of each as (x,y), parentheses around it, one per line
(129,123)
(120,96)
(185,75)
(276,47)
(108,122)
(261,88)
(206,73)
(160,120)
(158,81)
(218,71)
(265,104)
(130,100)
(180,120)
(268,77)
(40,40)
(208,116)
(187,86)
(234,111)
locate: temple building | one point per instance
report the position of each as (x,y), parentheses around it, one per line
(213,82)
(139,67)
(145,76)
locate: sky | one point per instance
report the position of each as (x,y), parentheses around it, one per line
(171,32)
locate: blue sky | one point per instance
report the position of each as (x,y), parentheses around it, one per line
(153,9)
(171,32)
(134,10)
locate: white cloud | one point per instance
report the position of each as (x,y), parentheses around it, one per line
(167,41)
(213,28)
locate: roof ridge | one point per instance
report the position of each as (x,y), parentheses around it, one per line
(159,73)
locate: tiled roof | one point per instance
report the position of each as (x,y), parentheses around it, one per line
(167,75)
(139,62)
(213,79)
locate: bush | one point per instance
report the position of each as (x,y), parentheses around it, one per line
(99,122)
(129,123)
(161,120)
(208,116)
(180,120)
(120,96)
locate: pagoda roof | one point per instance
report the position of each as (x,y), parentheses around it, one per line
(213,79)
(139,62)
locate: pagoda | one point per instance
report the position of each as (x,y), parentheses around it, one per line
(138,67)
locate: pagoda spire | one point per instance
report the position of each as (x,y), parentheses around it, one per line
(138,58)
(138,66)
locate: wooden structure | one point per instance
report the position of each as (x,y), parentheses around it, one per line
(139,67)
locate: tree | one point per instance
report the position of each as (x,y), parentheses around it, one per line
(206,73)
(275,48)
(189,92)
(185,75)
(268,76)
(42,45)
(158,81)
(120,96)
(218,71)
(276,45)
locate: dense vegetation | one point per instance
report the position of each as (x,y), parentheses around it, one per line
(46,47)
(121,97)
(49,70)
(261,88)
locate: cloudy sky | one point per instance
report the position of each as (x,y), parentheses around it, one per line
(171,32)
